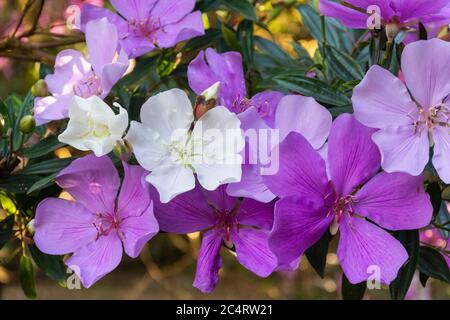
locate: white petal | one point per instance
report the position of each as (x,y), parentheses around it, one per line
(168,112)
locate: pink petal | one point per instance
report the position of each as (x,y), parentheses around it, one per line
(256,214)
(349,17)
(299,223)
(382,100)
(403,149)
(209,262)
(267,102)
(363,246)
(252,251)
(134,9)
(172,11)
(51,108)
(93,182)
(63,226)
(395,201)
(353,157)
(96,259)
(441,156)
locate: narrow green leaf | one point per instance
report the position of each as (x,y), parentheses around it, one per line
(433,264)
(343,65)
(43,183)
(52,266)
(27,277)
(18,183)
(410,240)
(423,278)
(317,254)
(230,38)
(6,229)
(434,190)
(43,147)
(352,291)
(47,167)
(247,41)
(243,7)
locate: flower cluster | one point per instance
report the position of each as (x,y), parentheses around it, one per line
(266,175)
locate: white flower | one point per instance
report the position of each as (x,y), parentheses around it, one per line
(94,126)
(167,144)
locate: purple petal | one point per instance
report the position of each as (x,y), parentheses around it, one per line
(267,103)
(408,10)
(364,246)
(299,224)
(113,72)
(172,11)
(256,214)
(301,170)
(51,108)
(395,201)
(304,115)
(188,212)
(426,66)
(96,259)
(352,156)
(189,27)
(200,75)
(63,226)
(92,181)
(441,156)
(382,100)
(134,9)
(70,68)
(403,149)
(349,17)
(252,251)
(91,13)
(209,262)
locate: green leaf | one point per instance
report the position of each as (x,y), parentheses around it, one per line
(352,291)
(230,38)
(43,183)
(18,183)
(273,51)
(27,277)
(43,147)
(52,266)
(319,90)
(25,109)
(47,167)
(434,190)
(410,240)
(433,264)
(423,278)
(317,254)
(443,218)
(247,41)
(243,7)
(6,229)
(343,65)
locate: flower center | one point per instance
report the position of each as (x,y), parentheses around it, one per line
(437,116)
(342,206)
(145,28)
(105,223)
(242,104)
(97,129)
(226,221)
(88,87)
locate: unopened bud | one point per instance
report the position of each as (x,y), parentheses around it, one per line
(446,194)
(206,100)
(392,30)
(1,126)
(30,227)
(27,124)
(122,150)
(40,89)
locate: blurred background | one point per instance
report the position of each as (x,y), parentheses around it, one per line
(166,267)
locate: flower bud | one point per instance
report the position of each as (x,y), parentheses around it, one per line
(206,100)
(123,150)
(27,124)
(392,29)
(1,127)
(40,89)
(446,194)
(30,227)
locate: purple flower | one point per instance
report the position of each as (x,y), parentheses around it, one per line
(310,203)
(75,75)
(411,117)
(227,68)
(403,13)
(234,222)
(144,25)
(96,225)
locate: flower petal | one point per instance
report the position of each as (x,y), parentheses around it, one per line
(96,259)
(349,17)
(63,226)
(267,103)
(382,100)
(134,9)
(441,156)
(403,149)
(252,251)
(395,201)
(172,11)
(52,108)
(209,262)
(363,246)
(304,115)
(256,214)
(200,75)
(189,212)
(352,156)
(90,13)
(301,170)
(92,181)
(299,224)
(426,66)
